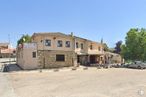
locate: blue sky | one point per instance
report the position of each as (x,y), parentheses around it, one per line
(92,19)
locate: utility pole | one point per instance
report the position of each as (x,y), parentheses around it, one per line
(9,49)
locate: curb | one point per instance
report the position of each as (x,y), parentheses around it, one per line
(56,70)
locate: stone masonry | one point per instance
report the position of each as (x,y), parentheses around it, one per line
(47,59)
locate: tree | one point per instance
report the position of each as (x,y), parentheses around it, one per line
(118,47)
(135,45)
(111,50)
(124,52)
(24,39)
(142,43)
(105,47)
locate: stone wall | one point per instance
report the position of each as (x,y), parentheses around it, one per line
(47,59)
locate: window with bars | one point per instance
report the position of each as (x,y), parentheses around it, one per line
(91,47)
(60,57)
(99,48)
(67,44)
(77,45)
(47,42)
(33,54)
(82,46)
(59,43)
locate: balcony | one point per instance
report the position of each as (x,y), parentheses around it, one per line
(92,52)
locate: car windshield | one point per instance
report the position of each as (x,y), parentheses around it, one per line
(140,63)
(137,62)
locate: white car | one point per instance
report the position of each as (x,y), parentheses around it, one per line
(137,65)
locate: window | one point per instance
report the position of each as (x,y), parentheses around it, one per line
(47,42)
(78,59)
(14,52)
(59,43)
(60,58)
(77,45)
(91,47)
(99,48)
(34,54)
(82,46)
(67,44)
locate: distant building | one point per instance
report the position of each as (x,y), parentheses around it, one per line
(111,58)
(6,51)
(51,50)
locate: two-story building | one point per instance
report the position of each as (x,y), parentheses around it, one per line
(50,50)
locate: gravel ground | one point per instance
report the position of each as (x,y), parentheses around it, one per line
(118,82)
(6,89)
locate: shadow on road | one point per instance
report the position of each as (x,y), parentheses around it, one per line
(11,67)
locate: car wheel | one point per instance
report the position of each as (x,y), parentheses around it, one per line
(139,67)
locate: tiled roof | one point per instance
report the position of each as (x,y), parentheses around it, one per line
(87,40)
(61,34)
(50,33)
(7,51)
(4,44)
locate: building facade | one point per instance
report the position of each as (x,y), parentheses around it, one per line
(6,51)
(27,56)
(53,50)
(111,58)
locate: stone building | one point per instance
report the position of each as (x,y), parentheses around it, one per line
(27,56)
(111,58)
(53,50)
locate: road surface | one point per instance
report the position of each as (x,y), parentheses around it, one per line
(113,82)
(6,89)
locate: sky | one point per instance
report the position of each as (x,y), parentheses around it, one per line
(109,20)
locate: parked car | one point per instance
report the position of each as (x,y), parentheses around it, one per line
(116,65)
(125,65)
(137,65)
(107,66)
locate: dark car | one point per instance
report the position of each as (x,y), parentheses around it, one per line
(125,65)
(137,65)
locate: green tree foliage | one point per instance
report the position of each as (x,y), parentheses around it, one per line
(135,45)
(111,50)
(105,47)
(24,39)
